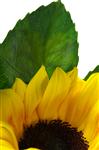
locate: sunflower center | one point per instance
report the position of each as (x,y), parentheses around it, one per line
(53,135)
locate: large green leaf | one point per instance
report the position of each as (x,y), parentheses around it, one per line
(91,72)
(47,36)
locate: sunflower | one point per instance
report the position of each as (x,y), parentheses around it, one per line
(44,105)
(51,114)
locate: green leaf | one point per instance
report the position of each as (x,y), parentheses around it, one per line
(91,72)
(45,37)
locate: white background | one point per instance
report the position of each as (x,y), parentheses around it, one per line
(85,14)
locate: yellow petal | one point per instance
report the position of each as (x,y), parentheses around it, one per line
(68,102)
(12,110)
(34,93)
(90,125)
(57,89)
(19,87)
(5,145)
(73,75)
(94,145)
(85,101)
(7,138)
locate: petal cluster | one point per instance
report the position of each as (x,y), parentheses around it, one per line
(64,96)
